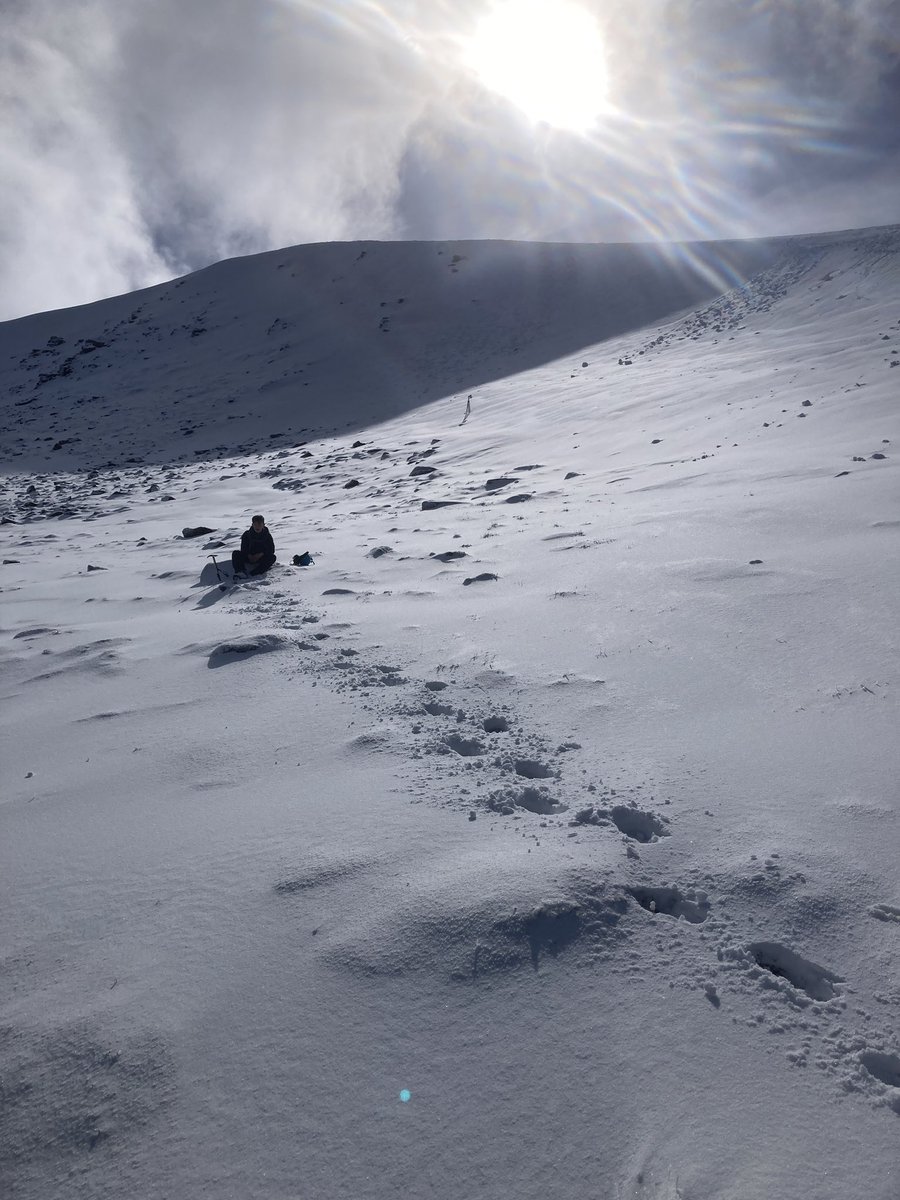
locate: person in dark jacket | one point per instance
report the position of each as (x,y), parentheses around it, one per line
(257,552)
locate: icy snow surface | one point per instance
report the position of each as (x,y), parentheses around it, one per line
(541,839)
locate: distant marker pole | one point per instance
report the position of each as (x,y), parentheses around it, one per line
(468,410)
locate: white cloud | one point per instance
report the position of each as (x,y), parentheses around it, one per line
(70,221)
(146,139)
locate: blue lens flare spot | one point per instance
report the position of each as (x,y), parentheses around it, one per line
(405,1095)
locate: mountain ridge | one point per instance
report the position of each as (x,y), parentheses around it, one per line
(367,330)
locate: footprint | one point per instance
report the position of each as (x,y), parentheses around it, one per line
(538,800)
(808,977)
(671,903)
(466,747)
(529,769)
(883,1067)
(495,725)
(637,825)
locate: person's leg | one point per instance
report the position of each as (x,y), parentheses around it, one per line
(237,561)
(263,565)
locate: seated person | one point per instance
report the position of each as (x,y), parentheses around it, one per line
(257,552)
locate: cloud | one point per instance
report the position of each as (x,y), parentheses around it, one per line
(837,204)
(728,120)
(145,140)
(70,221)
(150,139)
(260,124)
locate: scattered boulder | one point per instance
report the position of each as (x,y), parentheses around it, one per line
(192,531)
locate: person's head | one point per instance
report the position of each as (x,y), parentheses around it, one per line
(258,523)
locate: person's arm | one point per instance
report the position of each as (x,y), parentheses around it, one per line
(270,543)
(254,539)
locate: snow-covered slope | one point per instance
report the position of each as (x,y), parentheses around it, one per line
(321,338)
(541,839)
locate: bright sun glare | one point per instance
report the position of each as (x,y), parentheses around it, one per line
(547,57)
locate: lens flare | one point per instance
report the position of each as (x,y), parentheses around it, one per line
(547,58)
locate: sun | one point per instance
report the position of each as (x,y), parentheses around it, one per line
(545,56)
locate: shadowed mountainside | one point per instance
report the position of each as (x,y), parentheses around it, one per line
(302,341)
(278,348)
